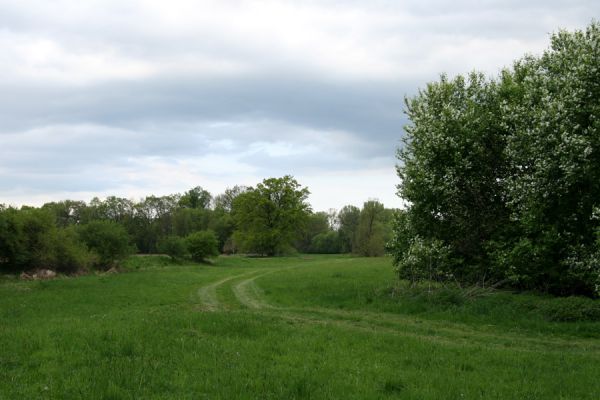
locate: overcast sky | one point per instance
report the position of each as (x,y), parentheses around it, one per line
(131,98)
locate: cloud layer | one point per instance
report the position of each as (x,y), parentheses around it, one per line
(154,97)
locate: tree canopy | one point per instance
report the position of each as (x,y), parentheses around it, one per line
(502,176)
(270,217)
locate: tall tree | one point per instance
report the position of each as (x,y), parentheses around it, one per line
(502,176)
(347,220)
(316,223)
(269,217)
(195,198)
(224,201)
(370,232)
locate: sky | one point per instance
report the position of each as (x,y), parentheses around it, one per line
(132,98)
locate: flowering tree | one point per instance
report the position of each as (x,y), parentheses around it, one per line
(505,172)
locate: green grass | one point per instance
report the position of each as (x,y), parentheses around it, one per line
(284,328)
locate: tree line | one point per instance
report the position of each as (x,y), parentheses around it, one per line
(502,175)
(272,218)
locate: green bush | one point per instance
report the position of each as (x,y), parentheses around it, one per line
(13,254)
(425,260)
(173,246)
(326,243)
(202,245)
(64,252)
(108,240)
(571,309)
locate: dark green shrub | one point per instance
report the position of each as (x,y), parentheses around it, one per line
(64,252)
(173,246)
(108,240)
(326,243)
(13,253)
(202,245)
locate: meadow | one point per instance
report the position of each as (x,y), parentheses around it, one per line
(319,327)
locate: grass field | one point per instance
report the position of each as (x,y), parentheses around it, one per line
(284,328)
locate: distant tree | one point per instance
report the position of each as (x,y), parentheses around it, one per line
(117,209)
(370,233)
(188,220)
(153,219)
(332,219)
(224,201)
(14,254)
(195,198)
(326,243)
(222,223)
(67,212)
(202,245)
(269,217)
(112,208)
(348,218)
(316,223)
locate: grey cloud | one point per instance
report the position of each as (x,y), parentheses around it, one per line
(57,136)
(373,111)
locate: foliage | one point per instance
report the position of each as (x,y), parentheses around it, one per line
(426,260)
(348,218)
(173,246)
(188,220)
(64,251)
(505,173)
(202,245)
(224,201)
(316,224)
(221,222)
(108,240)
(67,212)
(269,217)
(373,230)
(29,239)
(195,198)
(12,244)
(326,243)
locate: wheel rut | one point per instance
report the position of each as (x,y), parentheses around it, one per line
(250,295)
(209,300)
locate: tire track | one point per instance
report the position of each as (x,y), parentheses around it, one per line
(249,294)
(208,294)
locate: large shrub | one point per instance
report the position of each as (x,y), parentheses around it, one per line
(13,253)
(64,252)
(108,240)
(202,245)
(30,239)
(505,172)
(173,246)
